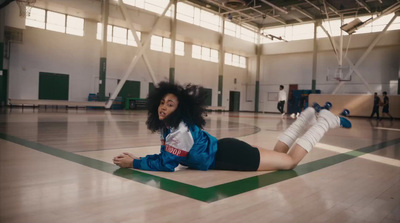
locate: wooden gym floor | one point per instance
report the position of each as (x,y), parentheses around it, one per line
(56,166)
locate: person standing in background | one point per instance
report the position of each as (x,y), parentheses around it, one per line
(375,108)
(385,109)
(281,100)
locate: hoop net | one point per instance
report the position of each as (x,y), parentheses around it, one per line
(339,74)
(25,7)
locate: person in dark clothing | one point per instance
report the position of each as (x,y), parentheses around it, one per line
(385,109)
(375,108)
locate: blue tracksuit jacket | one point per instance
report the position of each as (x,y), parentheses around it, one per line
(189,146)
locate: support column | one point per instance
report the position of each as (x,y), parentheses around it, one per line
(340,50)
(2,21)
(398,81)
(257,93)
(221,63)
(173,39)
(103,52)
(314,66)
(3,79)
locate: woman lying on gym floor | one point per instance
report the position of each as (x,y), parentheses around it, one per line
(177,113)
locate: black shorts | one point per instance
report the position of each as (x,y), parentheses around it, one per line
(385,109)
(233,154)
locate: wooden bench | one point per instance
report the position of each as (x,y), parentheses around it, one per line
(135,103)
(37,103)
(215,108)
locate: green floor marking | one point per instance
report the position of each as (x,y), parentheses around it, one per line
(209,194)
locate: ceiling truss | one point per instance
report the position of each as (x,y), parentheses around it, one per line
(271,13)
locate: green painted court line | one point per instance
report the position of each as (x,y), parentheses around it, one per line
(209,194)
(141,177)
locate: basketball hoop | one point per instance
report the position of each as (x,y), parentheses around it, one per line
(339,74)
(25,7)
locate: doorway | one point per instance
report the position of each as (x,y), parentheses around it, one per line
(131,89)
(291,105)
(209,96)
(3,88)
(234,101)
(53,86)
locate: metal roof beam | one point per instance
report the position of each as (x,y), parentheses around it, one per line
(240,10)
(313,5)
(332,8)
(364,5)
(275,7)
(302,12)
(271,16)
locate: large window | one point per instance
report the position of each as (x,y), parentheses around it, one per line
(248,35)
(163,44)
(120,35)
(186,12)
(117,34)
(209,20)
(290,33)
(55,21)
(157,6)
(74,25)
(240,32)
(37,18)
(333,26)
(194,15)
(378,25)
(384,20)
(205,53)
(306,31)
(235,60)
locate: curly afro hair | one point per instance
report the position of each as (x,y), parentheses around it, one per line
(191,108)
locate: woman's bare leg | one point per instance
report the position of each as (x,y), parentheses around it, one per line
(273,160)
(281,147)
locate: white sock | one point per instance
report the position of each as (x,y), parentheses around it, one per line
(332,119)
(298,127)
(326,121)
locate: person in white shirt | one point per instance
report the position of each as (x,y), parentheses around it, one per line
(281,100)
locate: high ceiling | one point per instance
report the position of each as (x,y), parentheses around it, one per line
(266,13)
(269,13)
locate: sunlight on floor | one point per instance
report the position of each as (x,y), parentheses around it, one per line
(390,129)
(372,157)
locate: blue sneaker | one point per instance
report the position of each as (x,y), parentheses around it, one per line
(316,106)
(345,112)
(327,105)
(345,123)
